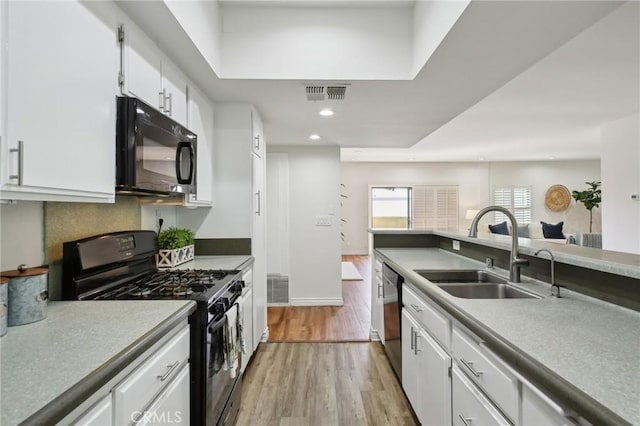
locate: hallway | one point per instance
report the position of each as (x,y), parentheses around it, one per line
(347,323)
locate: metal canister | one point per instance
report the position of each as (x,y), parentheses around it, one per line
(4,299)
(27,295)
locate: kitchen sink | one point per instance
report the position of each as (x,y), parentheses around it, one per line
(486,291)
(461,276)
(475,284)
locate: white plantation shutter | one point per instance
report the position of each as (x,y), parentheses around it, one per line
(517,200)
(435,207)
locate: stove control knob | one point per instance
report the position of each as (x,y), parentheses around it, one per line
(217,308)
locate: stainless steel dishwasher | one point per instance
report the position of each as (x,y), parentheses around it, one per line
(392,299)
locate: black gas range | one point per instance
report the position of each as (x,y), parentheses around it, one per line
(122,266)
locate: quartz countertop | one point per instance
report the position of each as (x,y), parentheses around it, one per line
(582,349)
(614,262)
(217,262)
(76,348)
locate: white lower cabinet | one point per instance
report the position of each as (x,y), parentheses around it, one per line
(247,331)
(171,407)
(425,374)
(538,409)
(377,302)
(470,406)
(100,414)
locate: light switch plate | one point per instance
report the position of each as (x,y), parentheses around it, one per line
(456,245)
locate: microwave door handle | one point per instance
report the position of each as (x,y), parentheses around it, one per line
(192,162)
(181,147)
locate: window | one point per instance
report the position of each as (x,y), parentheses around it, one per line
(517,200)
(435,207)
(391,207)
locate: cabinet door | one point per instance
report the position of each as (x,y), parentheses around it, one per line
(174,87)
(470,406)
(100,414)
(60,95)
(259,252)
(410,368)
(171,407)
(538,409)
(247,331)
(142,67)
(377,299)
(434,383)
(201,123)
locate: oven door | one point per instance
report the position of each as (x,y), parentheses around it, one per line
(220,384)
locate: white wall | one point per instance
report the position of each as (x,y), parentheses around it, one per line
(540,175)
(475,188)
(203,23)
(432,20)
(621,180)
(21,234)
(314,190)
(316,42)
(472,180)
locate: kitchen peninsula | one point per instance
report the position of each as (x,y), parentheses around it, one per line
(579,351)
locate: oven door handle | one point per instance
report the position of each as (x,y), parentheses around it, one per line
(216,324)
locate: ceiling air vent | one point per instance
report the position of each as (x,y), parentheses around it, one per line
(315,93)
(336,93)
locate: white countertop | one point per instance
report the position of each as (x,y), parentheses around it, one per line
(63,353)
(592,345)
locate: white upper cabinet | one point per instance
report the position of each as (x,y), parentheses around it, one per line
(201,123)
(58,135)
(149,75)
(258,142)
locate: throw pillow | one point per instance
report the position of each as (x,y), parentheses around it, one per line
(500,228)
(552,231)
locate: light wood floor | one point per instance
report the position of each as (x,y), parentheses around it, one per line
(308,384)
(350,322)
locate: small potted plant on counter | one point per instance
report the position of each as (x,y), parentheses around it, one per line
(175,247)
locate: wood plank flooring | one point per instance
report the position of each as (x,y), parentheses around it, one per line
(350,322)
(309,384)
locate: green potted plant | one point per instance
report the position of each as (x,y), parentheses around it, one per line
(591,197)
(175,247)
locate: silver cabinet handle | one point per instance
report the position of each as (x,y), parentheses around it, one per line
(469,365)
(412,341)
(169,371)
(163,97)
(379,291)
(416,349)
(20,151)
(465,420)
(170,110)
(258,203)
(416,307)
(257,144)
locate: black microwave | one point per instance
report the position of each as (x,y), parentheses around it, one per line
(155,155)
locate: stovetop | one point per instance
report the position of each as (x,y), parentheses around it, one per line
(199,285)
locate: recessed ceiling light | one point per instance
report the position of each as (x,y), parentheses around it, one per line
(326,112)
(481,158)
(552,158)
(314,137)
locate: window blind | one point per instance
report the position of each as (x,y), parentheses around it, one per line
(435,207)
(517,200)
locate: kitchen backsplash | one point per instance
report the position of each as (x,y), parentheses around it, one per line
(73,221)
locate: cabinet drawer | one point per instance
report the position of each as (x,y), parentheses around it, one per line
(99,415)
(470,407)
(539,409)
(141,386)
(433,321)
(172,405)
(497,383)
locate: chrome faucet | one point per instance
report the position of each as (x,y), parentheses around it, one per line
(515,262)
(553,278)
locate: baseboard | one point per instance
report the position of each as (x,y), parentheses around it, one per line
(329,301)
(374,335)
(356,252)
(265,335)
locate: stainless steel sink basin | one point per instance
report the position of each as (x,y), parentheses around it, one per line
(461,276)
(486,291)
(475,284)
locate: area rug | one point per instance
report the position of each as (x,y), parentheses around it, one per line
(349,272)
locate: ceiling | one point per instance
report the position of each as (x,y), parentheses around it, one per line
(509,80)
